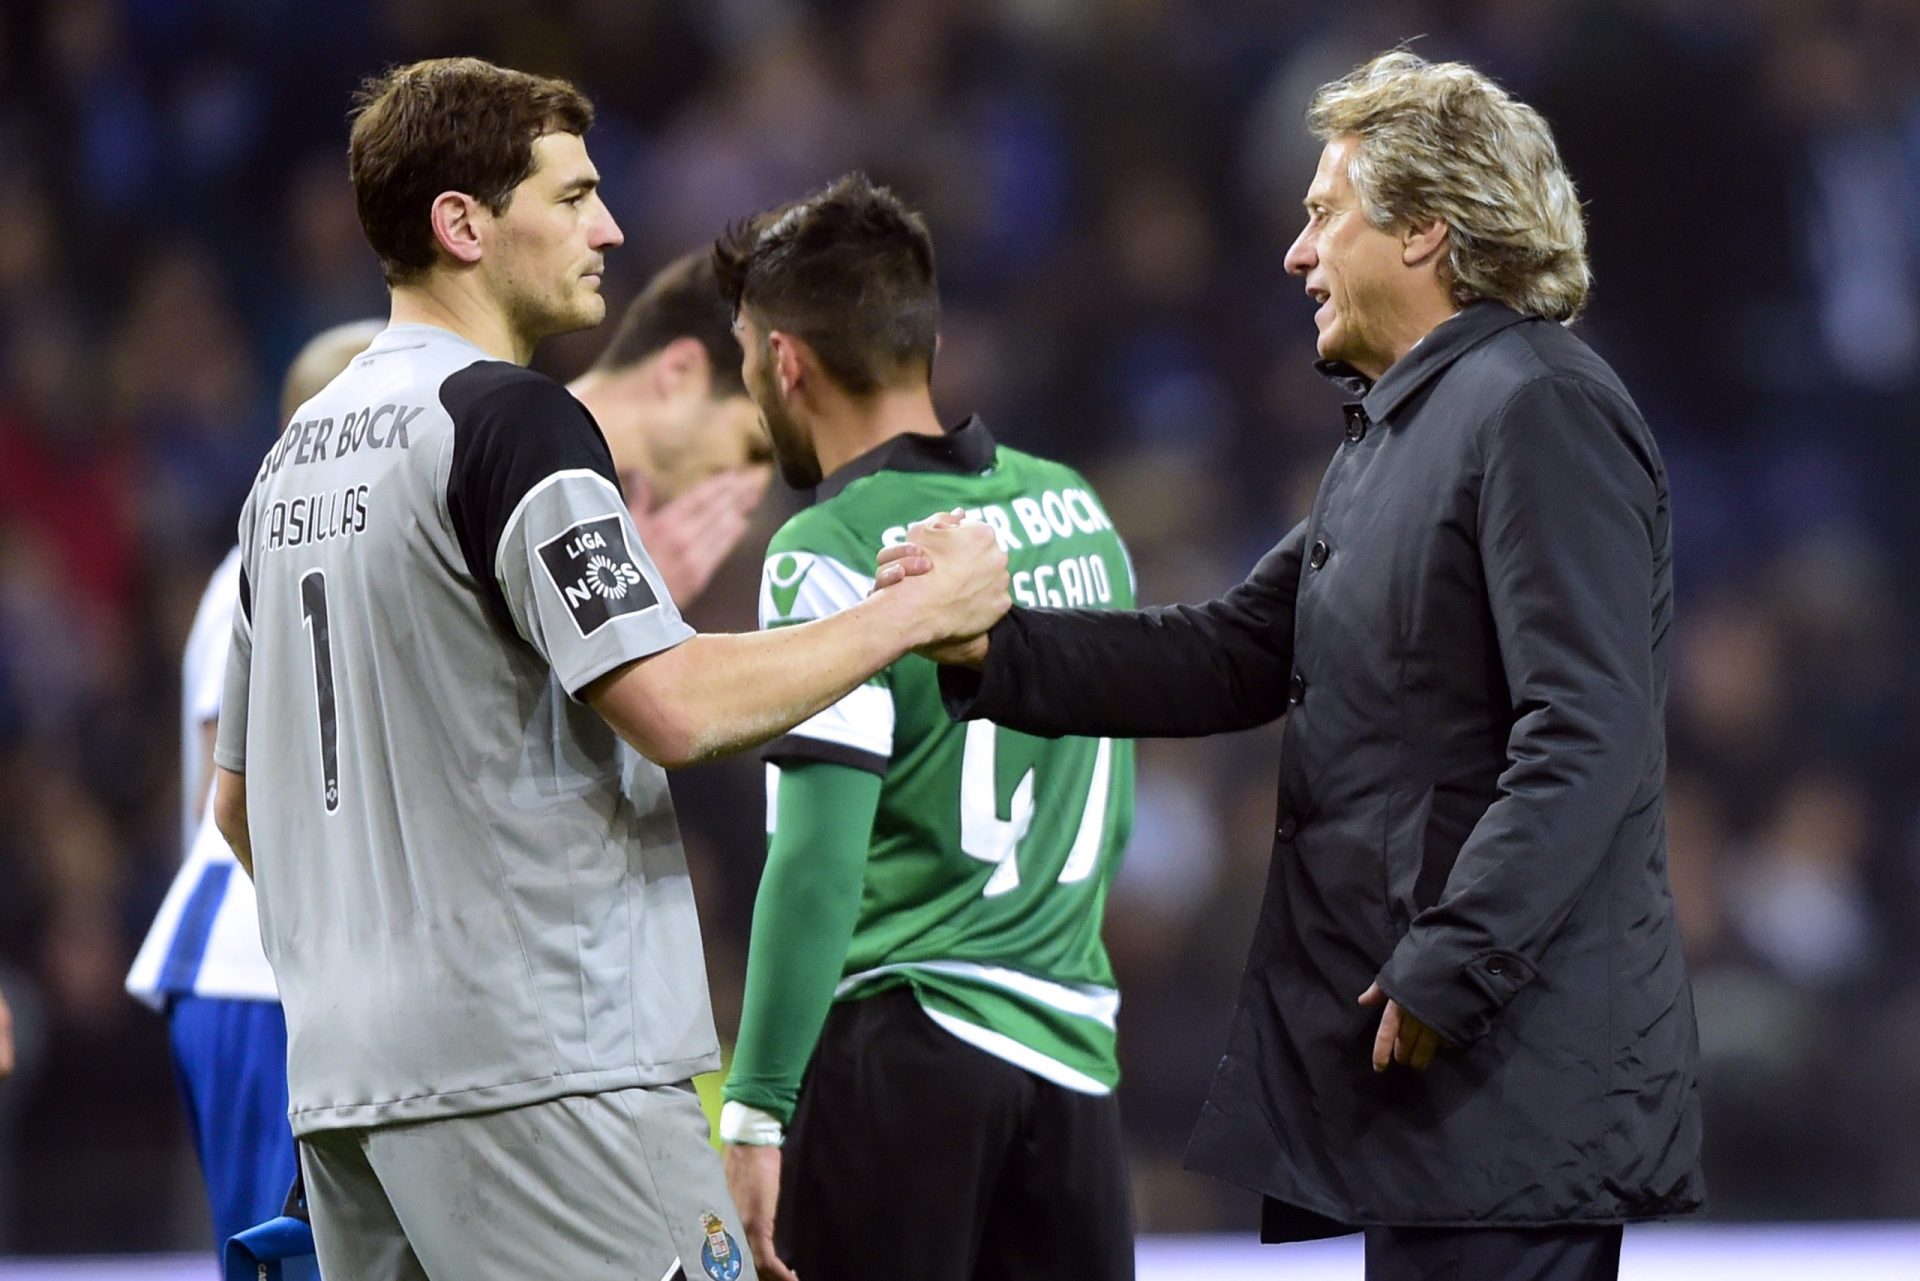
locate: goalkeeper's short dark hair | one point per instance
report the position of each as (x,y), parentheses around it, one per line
(683,300)
(849,271)
(446,124)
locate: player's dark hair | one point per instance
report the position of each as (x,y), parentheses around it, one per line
(848,271)
(682,301)
(446,124)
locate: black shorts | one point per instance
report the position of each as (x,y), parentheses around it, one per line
(914,1154)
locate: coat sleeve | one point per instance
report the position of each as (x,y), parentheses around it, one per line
(1174,671)
(1567,528)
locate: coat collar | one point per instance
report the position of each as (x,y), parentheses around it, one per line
(964,450)
(1451,339)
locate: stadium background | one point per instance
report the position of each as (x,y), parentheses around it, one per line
(1111,185)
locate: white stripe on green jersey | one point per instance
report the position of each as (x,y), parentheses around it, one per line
(803,585)
(991,851)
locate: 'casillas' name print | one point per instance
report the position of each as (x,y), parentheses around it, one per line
(316,518)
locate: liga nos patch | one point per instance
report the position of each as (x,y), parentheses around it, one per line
(592,567)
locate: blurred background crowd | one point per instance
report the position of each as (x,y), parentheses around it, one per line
(1111,185)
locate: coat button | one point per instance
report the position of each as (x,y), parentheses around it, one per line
(1496,965)
(1356,423)
(1318,556)
(1296,689)
(1286,829)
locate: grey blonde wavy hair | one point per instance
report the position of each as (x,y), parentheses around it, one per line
(1439,140)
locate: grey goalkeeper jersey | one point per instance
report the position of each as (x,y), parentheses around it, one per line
(472,892)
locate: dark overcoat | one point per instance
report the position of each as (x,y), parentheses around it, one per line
(1468,640)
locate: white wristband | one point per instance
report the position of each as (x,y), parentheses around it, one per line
(742,1124)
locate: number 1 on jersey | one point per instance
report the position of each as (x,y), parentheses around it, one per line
(313,612)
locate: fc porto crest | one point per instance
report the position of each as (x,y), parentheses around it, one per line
(720,1256)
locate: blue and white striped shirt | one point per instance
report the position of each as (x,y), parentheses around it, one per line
(205,940)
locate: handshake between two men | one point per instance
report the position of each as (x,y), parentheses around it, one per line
(960,568)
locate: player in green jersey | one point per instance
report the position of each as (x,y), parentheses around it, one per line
(926,943)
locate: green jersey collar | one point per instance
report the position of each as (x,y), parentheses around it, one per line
(965,450)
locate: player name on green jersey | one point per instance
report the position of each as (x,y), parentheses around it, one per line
(1053,515)
(991,851)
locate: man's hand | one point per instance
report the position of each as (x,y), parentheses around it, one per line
(6,1039)
(689,537)
(906,560)
(959,571)
(963,653)
(1402,1038)
(753,1177)
(954,573)
(900,562)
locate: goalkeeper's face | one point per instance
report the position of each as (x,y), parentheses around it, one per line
(546,249)
(771,372)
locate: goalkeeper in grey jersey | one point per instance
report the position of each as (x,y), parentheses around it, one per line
(472,891)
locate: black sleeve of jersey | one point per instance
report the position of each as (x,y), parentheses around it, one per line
(512,428)
(798,747)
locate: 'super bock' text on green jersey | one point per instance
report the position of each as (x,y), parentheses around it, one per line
(992,851)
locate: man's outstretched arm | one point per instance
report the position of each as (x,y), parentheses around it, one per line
(1174,671)
(711,695)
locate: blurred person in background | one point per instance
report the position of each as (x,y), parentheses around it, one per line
(934,970)
(1465,1026)
(202,964)
(687,443)
(476,902)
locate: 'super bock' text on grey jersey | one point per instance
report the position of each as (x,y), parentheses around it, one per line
(472,893)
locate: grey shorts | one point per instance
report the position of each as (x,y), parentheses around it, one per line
(597,1186)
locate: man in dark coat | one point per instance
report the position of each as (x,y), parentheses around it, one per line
(1465,1025)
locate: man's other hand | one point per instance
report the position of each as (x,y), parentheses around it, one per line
(753,1177)
(1402,1038)
(691,536)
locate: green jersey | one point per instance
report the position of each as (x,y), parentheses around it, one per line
(990,851)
